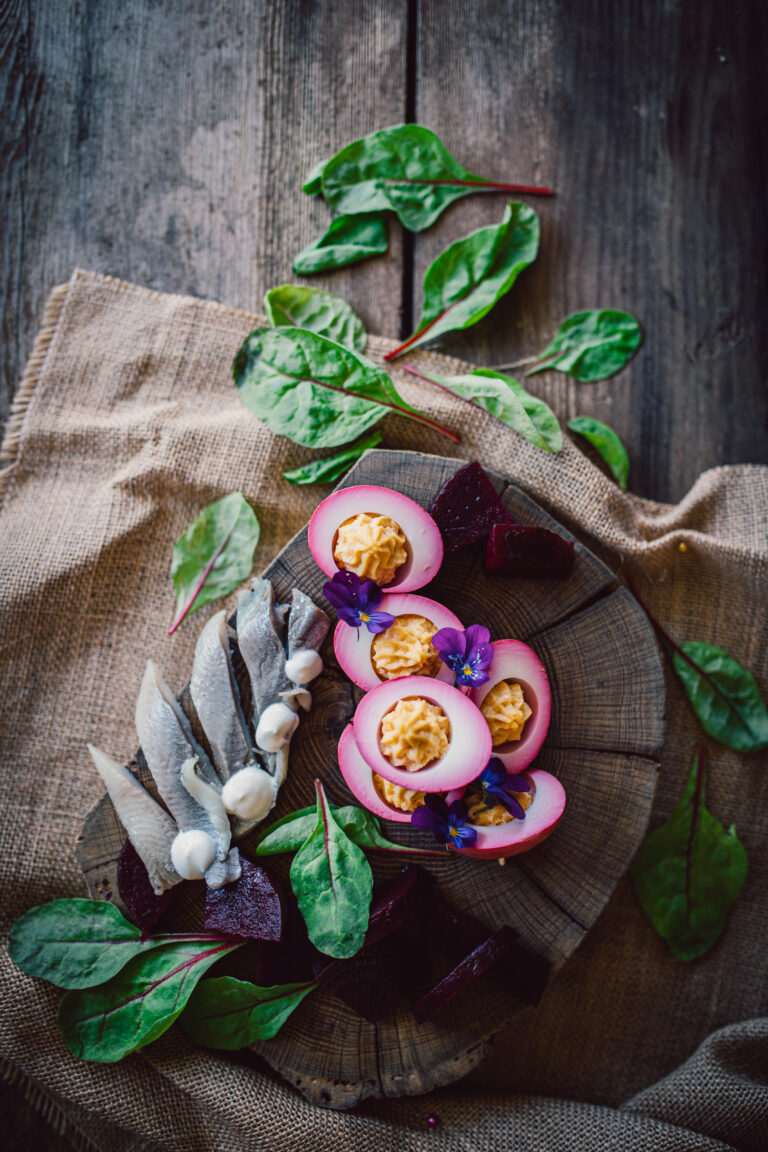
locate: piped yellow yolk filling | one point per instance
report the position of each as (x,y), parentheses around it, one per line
(505,711)
(405,649)
(414,733)
(371,545)
(404,799)
(478,813)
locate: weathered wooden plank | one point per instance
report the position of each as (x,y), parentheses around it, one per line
(644,118)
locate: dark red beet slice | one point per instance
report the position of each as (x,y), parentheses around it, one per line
(522,550)
(457,933)
(370,983)
(250,908)
(136,892)
(404,898)
(466,508)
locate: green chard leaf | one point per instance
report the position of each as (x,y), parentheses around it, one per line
(332,468)
(140,1003)
(333,883)
(689,872)
(314,391)
(504,398)
(605,441)
(214,555)
(591,345)
(347,240)
(229,1014)
(723,694)
(362,828)
(473,274)
(403,169)
(295,306)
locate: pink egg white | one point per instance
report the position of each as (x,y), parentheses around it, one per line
(516,662)
(359,777)
(495,841)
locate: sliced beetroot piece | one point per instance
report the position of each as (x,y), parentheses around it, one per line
(457,933)
(522,550)
(466,508)
(136,892)
(250,908)
(371,983)
(404,898)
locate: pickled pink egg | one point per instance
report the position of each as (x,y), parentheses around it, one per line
(468,745)
(423,542)
(355,647)
(359,778)
(497,840)
(516,662)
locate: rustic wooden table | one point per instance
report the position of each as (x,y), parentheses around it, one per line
(166,144)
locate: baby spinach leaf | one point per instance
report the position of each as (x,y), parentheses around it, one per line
(689,872)
(332,468)
(504,398)
(347,240)
(313,185)
(466,280)
(723,694)
(405,169)
(139,1003)
(607,443)
(229,1014)
(314,391)
(214,555)
(592,345)
(363,828)
(333,883)
(296,306)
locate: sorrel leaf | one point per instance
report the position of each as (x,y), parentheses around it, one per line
(139,1004)
(689,872)
(314,391)
(296,306)
(504,398)
(724,696)
(214,555)
(469,277)
(347,240)
(227,1013)
(605,441)
(363,828)
(592,345)
(332,468)
(333,883)
(404,169)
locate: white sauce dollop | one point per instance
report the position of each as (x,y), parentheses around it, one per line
(303,666)
(192,854)
(249,794)
(277,724)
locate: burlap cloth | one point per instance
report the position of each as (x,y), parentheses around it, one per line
(126,424)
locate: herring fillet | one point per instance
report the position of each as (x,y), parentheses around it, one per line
(150,829)
(167,742)
(223,872)
(260,638)
(307,628)
(216,698)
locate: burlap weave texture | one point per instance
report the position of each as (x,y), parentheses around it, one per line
(126,425)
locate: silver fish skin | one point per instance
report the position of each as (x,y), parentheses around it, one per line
(261,639)
(150,829)
(307,628)
(208,796)
(223,872)
(216,697)
(167,742)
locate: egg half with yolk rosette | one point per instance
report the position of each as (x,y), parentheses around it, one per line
(542,815)
(403,649)
(422,733)
(375,794)
(515,702)
(377,533)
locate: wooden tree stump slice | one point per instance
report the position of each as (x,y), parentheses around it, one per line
(607,728)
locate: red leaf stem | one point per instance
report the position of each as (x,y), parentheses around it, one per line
(201,582)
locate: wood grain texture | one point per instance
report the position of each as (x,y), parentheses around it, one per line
(607,725)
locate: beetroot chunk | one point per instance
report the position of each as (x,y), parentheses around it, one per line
(521,550)
(144,907)
(466,508)
(250,908)
(370,983)
(404,898)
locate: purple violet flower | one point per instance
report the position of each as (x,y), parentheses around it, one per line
(356,601)
(448,824)
(467,653)
(497,787)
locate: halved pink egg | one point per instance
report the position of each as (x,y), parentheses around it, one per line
(359,778)
(356,648)
(497,840)
(468,744)
(516,663)
(422,546)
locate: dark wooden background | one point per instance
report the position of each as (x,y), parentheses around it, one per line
(166,143)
